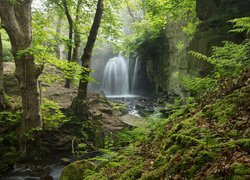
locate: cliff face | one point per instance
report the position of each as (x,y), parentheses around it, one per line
(214,28)
(165,66)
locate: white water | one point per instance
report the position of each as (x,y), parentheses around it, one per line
(135,72)
(125,96)
(116,77)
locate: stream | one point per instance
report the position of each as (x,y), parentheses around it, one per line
(31,172)
(136,105)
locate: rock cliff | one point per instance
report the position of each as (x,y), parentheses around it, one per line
(167,62)
(214,28)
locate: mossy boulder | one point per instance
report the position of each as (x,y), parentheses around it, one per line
(74,171)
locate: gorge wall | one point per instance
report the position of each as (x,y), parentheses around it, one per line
(166,58)
(214,28)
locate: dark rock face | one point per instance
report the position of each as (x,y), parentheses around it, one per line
(207,9)
(166,61)
(214,27)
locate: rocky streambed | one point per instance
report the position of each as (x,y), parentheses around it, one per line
(33,172)
(50,167)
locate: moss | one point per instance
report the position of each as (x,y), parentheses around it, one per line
(121,107)
(240,169)
(133,173)
(233,134)
(92,175)
(188,144)
(223,109)
(74,171)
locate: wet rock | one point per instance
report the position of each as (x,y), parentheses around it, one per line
(11,84)
(97,116)
(139,106)
(47,177)
(124,110)
(107,111)
(166,112)
(56,94)
(65,161)
(133,120)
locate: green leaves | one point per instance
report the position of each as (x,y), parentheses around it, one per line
(241,25)
(157,15)
(229,60)
(52,115)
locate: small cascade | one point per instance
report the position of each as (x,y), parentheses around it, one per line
(135,73)
(116,78)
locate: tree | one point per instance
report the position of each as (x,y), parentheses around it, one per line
(3,102)
(70,44)
(77,37)
(16,20)
(79,101)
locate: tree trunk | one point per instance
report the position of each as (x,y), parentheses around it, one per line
(3,102)
(16,20)
(77,38)
(79,104)
(70,21)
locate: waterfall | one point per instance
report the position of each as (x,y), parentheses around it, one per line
(116,77)
(135,73)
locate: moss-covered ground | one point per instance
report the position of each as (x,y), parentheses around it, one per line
(206,139)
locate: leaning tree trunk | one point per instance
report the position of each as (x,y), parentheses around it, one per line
(79,103)
(16,20)
(70,47)
(3,102)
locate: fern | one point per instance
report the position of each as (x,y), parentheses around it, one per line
(199,55)
(241,25)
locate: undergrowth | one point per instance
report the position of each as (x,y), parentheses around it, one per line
(207,137)
(192,143)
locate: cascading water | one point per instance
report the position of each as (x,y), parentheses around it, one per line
(135,73)
(116,77)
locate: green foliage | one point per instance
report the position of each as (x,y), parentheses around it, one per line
(10,117)
(48,78)
(8,138)
(229,60)
(240,169)
(52,115)
(241,25)
(30,135)
(223,109)
(43,48)
(7,55)
(124,137)
(190,142)
(197,85)
(121,107)
(155,17)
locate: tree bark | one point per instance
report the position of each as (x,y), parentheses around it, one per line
(70,47)
(3,102)
(77,38)
(16,20)
(86,57)
(79,105)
